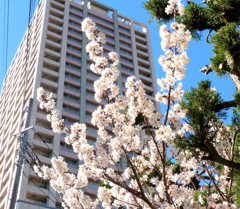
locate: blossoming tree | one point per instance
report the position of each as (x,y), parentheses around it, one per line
(159,174)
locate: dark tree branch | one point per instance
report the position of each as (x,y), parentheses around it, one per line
(139,206)
(224,105)
(214,156)
(208,35)
(129,189)
(214,183)
(123,185)
(232,158)
(163,155)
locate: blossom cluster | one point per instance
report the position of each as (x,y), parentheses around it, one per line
(48,103)
(175,7)
(134,155)
(104,66)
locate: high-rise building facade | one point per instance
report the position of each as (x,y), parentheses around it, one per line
(52,55)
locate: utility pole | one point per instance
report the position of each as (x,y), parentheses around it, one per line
(24,146)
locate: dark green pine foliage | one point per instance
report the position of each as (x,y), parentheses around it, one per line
(156,9)
(226,43)
(201,103)
(220,17)
(198,18)
(236,173)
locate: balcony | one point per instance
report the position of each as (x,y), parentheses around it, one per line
(72,77)
(74,49)
(56,14)
(55,21)
(141,45)
(36,198)
(66,147)
(74,58)
(57,11)
(60,1)
(76,10)
(55,29)
(44,126)
(71,98)
(77,40)
(49,83)
(57,6)
(126,53)
(42,151)
(71,110)
(126,45)
(50,67)
(72,87)
(52,53)
(54,37)
(102,20)
(125,37)
(75,24)
(129,71)
(123,29)
(75,17)
(143,61)
(51,73)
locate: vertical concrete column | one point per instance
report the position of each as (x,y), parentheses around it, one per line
(134,50)
(117,47)
(39,60)
(151,61)
(83,69)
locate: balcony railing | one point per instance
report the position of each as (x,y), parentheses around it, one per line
(74,40)
(78,69)
(72,88)
(71,99)
(70,110)
(74,58)
(74,49)
(72,77)
(75,16)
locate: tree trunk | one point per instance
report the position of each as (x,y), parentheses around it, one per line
(236,80)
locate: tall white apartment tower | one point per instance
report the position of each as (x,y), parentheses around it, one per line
(52,55)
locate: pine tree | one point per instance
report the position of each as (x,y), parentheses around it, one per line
(205,107)
(221,19)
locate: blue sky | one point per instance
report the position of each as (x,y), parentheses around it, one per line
(199,52)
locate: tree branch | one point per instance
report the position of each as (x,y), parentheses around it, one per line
(214,183)
(142,196)
(208,35)
(214,156)
(224,105)
(123,185)
(129,189)
(236,80)
(232,158)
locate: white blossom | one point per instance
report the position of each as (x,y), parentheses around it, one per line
(130,154)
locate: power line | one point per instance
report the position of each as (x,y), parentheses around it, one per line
(43,182)
(39,187)
(5,37)
(35,159)
(25,147)
(6,24)
(6,60)
(30,111)
(44,141)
